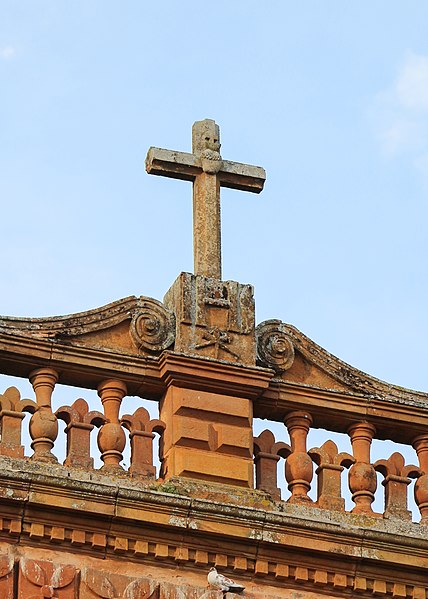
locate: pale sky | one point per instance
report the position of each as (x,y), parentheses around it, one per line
(331,98)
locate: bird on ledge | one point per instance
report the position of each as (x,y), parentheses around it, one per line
(220,582)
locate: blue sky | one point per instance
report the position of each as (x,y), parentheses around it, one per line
(331,98)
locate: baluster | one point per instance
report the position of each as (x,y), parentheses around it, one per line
(80,422)
(43,423)
(397,478)
(362,475)
(111,437)
(12,409)
(141,434)
(420,445)
(330,464)
(266,456)
(298,466)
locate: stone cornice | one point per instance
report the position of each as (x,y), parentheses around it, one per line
(70,325)
(80,366)
(351,379)
(213,375)
(337,410)
(115,517)
(336,394)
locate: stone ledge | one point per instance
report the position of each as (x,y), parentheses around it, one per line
(32,484)
(123,520)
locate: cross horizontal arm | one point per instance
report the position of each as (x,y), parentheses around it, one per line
(168,163)
(242,176)
(183,165)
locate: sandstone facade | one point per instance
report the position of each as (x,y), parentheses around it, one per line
(85,529)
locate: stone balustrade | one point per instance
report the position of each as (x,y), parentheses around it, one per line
(80,422)
(329,465)
(303,468)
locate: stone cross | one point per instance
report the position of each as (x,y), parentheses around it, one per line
(208,171)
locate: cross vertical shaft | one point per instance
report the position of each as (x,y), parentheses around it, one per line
(206,200)
(207,226)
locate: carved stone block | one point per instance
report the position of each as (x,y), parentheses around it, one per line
(6,577)
(184,591)
(214,319)
(46,579)
(200,443)
(98,584)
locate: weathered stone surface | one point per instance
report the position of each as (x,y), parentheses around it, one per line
(12,409)
(96,583)
(133,325)
(267,453)
(39,578)
(7,586)
(274,347)
(330,464)
(208,171)
(396,480)
(141,434)
(215,319)
(146,537)
(198,442)
(298,467)
(362,475)
(111,436)
(80,422)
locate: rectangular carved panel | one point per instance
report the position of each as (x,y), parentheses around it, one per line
(106,585)
(39,578)
(214,318)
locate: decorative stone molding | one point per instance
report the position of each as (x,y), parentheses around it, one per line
(215,319)
(267,454)
(111,437)
(335,374)
(152,326)
(298,466)
(115,586)
(12,413)
(362,475)
(274,347)
(421,488)
(397,477)
(44,579)
(141,433)
(7,585)
(43,423)
(80,422)
(330,464)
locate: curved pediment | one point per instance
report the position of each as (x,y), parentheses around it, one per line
(133,325)
(297,359)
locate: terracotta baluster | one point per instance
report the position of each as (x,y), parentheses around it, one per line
(111,437)
(141,434)
(298,466)
(12,409)
(43,423)
(420,445)
(362,475)
(330,464)
(80,422)
(397,478)
(266,456)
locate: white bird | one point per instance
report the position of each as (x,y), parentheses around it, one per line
(222,583)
